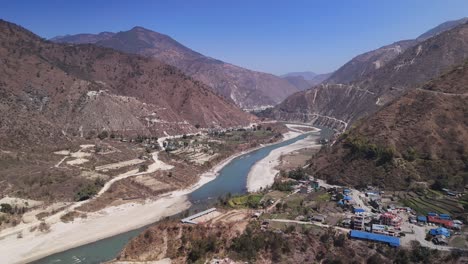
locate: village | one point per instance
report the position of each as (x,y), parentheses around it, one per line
(369,214)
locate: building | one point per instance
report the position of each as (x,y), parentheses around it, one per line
(391,219)
(358,210)
(435,219)
(390,240)
(440,231)
(318,218)
(360,221)
(384,230)
(315,185)
(422,219)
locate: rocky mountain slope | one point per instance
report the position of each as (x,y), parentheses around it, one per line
(305,80)
(341,104)
(420,137)
(441,28)
(248,89)
(299,82)
(55,91)
(364,64)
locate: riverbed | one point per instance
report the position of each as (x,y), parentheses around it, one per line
(232,179)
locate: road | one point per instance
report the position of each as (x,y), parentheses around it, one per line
(341,229)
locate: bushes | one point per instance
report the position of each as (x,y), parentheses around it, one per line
(201,247)
(410,154)
(297,174)
(282,186)
(249,244)
(361,148)
(6,208)
(249,201)
(143,168)
(89,190)
(103,135)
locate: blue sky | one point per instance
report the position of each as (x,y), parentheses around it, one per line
(270,36)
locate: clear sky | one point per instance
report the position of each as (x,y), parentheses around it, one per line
(270,36)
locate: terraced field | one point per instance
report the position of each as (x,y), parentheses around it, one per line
(430,203)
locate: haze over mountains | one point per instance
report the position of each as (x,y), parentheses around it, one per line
(53,92)
(336,104)
(366,63)
(304,80)
(248,89)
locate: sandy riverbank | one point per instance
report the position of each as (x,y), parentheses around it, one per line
(104,223)
(263,173)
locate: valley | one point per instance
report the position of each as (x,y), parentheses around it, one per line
(130,147)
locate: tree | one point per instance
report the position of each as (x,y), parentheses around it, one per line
(143,168)
(6,208)
(103,135)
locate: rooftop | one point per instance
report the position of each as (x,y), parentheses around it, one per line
(392,241)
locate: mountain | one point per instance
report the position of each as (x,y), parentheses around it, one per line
(307,75)
(320,78)
(364,64)
(53,93)
(339,105)
(441,28)
(305,80)
(248,89)
(420,137)
(299,82)
(83,38)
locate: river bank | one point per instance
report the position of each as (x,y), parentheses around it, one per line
(263,173)
(106,222)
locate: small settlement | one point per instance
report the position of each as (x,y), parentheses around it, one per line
(366,215)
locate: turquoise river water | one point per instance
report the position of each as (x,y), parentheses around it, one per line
(231,179)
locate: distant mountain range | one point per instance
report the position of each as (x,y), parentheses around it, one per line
(246,88)
(420,137)
(54,93)
(364,64)
(307,75)
(404,122)
(305,80)
(406,64)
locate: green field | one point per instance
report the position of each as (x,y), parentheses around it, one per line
(426,204)
(245,201)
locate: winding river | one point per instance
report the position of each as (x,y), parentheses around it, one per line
(231,179)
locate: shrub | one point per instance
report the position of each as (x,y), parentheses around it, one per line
(282,186)
(361,148)
(6,208)
(103,135)
(297,174)
(143,167)
(44,227)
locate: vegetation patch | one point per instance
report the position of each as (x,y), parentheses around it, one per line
(246,201)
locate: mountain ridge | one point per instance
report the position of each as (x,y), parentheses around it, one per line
(248,89)
(73,91)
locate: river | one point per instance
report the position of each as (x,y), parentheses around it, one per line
(231,179)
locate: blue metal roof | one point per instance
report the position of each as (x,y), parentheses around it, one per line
(359,210)
(422,218)
(440,231)
(392,241)
(347,198)
(445,216)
